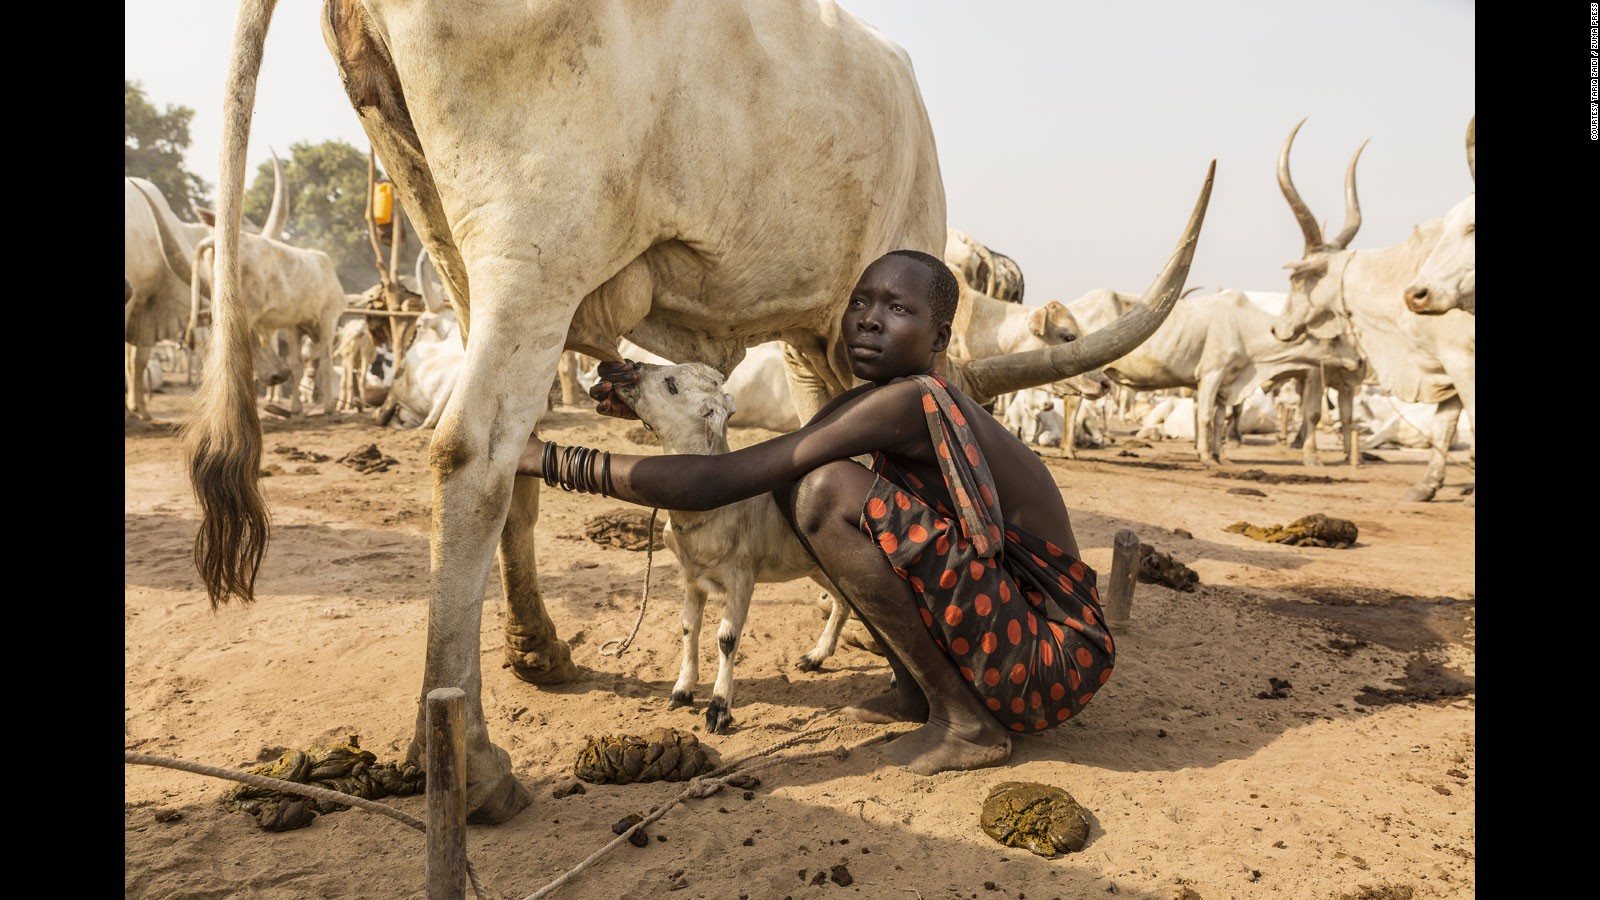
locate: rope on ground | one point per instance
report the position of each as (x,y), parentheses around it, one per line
(706,785)
(143,759)
(649,559)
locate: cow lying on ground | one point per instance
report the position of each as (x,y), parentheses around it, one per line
(725,551)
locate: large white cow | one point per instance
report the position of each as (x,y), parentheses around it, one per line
(1448,277)
(156,300)
(1219,344)
(691,174)
(1360,295)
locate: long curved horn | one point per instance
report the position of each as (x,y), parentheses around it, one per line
(1188,291)
(280,202)
(171,246)
(1472,143)
(1009,372)
(1352,206)
(1302,213)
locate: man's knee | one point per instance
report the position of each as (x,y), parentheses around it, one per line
(825,498)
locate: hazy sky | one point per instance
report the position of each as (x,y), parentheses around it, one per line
(1072,136)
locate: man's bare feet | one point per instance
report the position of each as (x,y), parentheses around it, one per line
(936,747)
(889,707)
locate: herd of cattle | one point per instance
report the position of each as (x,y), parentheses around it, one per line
(676,226)
(1215,369)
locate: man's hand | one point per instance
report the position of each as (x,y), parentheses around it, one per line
(611,375)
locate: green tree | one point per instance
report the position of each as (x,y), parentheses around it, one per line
(153,146)
(327,194)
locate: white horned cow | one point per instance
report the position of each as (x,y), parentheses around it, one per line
(628,192)
(724,552)
(1448,277)
(1360,296)
(1219,344)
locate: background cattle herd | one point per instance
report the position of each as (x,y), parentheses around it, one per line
(1215,370)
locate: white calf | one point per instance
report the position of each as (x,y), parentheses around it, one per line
(354,353)
(727,550)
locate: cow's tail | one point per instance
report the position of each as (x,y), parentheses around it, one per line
(224,436)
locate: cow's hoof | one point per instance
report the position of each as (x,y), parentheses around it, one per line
(807,664)
(1312,461)
(1420,494)
(498,802)
(549,665)
(718,718)
(681,698)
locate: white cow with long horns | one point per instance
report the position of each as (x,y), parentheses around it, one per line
(1360,296)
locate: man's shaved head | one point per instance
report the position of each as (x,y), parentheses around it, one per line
(943,290)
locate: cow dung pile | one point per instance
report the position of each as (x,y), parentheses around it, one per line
(625,529)
(1160,568)
(368,459)
(1042,819)
(1315,530)
(345,768)
(664,754)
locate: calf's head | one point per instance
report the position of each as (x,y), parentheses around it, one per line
(683,404)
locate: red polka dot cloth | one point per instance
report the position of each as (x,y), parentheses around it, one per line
(1019,616)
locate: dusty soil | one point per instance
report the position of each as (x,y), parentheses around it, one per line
(1301,725)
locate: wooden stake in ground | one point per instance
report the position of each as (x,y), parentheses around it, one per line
(447,794)
(1124,574)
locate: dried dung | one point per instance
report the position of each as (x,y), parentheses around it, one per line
(1315,530)
(1160,568)
(665,754)
(1042,819)
(345,768)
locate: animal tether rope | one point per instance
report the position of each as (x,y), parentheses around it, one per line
(649,560)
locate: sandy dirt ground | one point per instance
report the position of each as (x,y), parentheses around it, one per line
(1204,775)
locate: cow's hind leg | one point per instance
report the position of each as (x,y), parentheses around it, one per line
(533,651)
